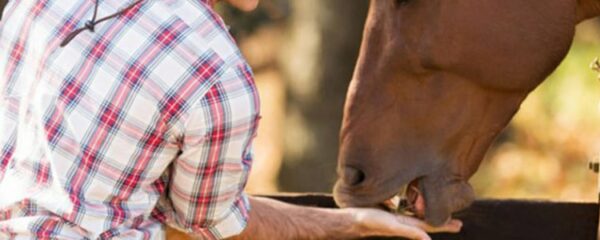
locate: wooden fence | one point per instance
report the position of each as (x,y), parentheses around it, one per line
(504,219)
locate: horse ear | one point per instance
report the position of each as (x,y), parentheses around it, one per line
(587,9)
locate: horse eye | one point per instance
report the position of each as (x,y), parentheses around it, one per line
(400,3)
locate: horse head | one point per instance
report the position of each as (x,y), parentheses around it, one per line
(436,81)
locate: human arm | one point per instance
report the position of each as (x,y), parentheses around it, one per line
(271,219)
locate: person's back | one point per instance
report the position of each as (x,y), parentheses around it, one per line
(154,105)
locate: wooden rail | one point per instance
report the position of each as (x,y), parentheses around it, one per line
(504,219)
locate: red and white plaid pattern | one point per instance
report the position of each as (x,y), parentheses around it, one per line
(147,120)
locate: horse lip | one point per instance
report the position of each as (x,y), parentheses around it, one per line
(414,194)
(374,191)
(345,196)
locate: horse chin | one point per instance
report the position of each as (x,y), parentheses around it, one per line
(442,199)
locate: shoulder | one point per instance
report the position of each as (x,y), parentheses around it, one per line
(205,60)
(186,44)
(205,29)
(201,43)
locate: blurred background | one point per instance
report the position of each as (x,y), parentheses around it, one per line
(303,53)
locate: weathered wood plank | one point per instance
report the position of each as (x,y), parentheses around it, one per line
(505,219)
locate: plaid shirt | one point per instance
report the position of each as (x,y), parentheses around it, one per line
(146,120)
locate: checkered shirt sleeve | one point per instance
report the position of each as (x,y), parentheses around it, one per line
(208,177)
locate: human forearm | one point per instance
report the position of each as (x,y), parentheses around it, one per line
(271,219)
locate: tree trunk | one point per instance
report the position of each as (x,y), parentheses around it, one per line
(318,61)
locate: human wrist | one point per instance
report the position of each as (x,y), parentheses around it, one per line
(354,223)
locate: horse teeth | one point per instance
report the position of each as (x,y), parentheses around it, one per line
(393,203)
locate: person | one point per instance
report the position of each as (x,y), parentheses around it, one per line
(120,117)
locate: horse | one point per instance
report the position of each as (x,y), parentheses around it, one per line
(436,81)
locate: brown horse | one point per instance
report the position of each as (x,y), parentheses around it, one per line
(436,81)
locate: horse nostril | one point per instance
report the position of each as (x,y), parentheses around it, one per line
(353,176)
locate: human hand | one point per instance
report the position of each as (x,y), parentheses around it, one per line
(374,222)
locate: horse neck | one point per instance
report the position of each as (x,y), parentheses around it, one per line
(587,9)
